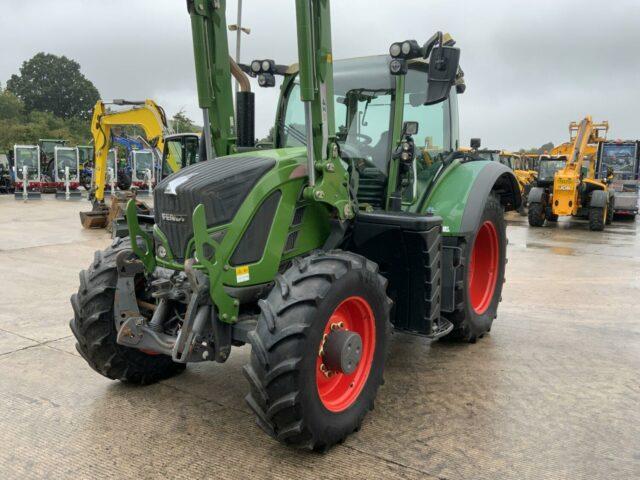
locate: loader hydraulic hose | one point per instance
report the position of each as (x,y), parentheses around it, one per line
(240,76)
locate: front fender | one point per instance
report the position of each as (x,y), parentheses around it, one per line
(599,198)
(461,193)
(536,195)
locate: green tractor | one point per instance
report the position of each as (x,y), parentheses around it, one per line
(366,217)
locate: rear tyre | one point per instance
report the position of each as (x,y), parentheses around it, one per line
(536,214)
(297,399)
(597,218)
(483,260)
(95,331)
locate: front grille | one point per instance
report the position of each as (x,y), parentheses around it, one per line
(297,217)
(291,241)
(221,185)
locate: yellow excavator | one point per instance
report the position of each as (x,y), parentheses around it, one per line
(575,191)
(147,115)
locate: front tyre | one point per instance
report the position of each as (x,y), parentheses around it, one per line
(611,210)
(483,259)
(536,214)
(597,218)
(95,331)
(319,349)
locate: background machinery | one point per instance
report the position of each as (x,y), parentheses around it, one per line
(310,252)
(86,153)
(47,163)
(619,161)
(26,161)
(515,163)
(6,174)
(575,190)
(149,117)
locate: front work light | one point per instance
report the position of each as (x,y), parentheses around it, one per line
(266,80)
(395,50)
(398,66)
(408,49)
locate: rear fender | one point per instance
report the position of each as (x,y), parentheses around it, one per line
(460,195)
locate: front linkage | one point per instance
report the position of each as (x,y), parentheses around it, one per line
(205,334)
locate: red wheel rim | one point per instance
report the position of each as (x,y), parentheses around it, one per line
(483,267)
(339,391)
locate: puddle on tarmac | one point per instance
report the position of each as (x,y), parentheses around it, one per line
(551,249)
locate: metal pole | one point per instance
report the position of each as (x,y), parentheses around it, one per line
(25,182)
(208,142)
(149,180)
(311,169)
(67,195)
(238,39)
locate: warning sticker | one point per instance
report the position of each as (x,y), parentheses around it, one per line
(242,274)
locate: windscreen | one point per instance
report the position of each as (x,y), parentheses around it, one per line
(143,163)
(179,153)
(66,158)
(27,157)
(548,169)
(363,96)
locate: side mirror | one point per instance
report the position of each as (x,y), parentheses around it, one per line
(475,143)
(410,128)
(443,68)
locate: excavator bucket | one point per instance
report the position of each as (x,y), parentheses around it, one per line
(112,217)
(96,218)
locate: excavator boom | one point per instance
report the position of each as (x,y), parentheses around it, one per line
(146,115)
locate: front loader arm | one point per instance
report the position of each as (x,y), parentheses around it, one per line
(213,75)
(328,179)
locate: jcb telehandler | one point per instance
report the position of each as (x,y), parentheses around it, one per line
(575,190)
(366,217)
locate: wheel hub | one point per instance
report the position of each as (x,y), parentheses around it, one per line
(342,351)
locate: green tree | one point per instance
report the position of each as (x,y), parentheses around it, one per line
(183,124)
(10,106)
(53,84)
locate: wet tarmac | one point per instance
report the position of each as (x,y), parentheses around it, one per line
(552,393)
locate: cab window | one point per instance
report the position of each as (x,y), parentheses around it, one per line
(181,152)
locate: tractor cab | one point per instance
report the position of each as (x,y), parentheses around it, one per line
(180,151)
(370,122)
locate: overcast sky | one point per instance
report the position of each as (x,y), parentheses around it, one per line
(531,66)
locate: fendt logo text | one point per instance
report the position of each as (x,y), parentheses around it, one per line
(171,217)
